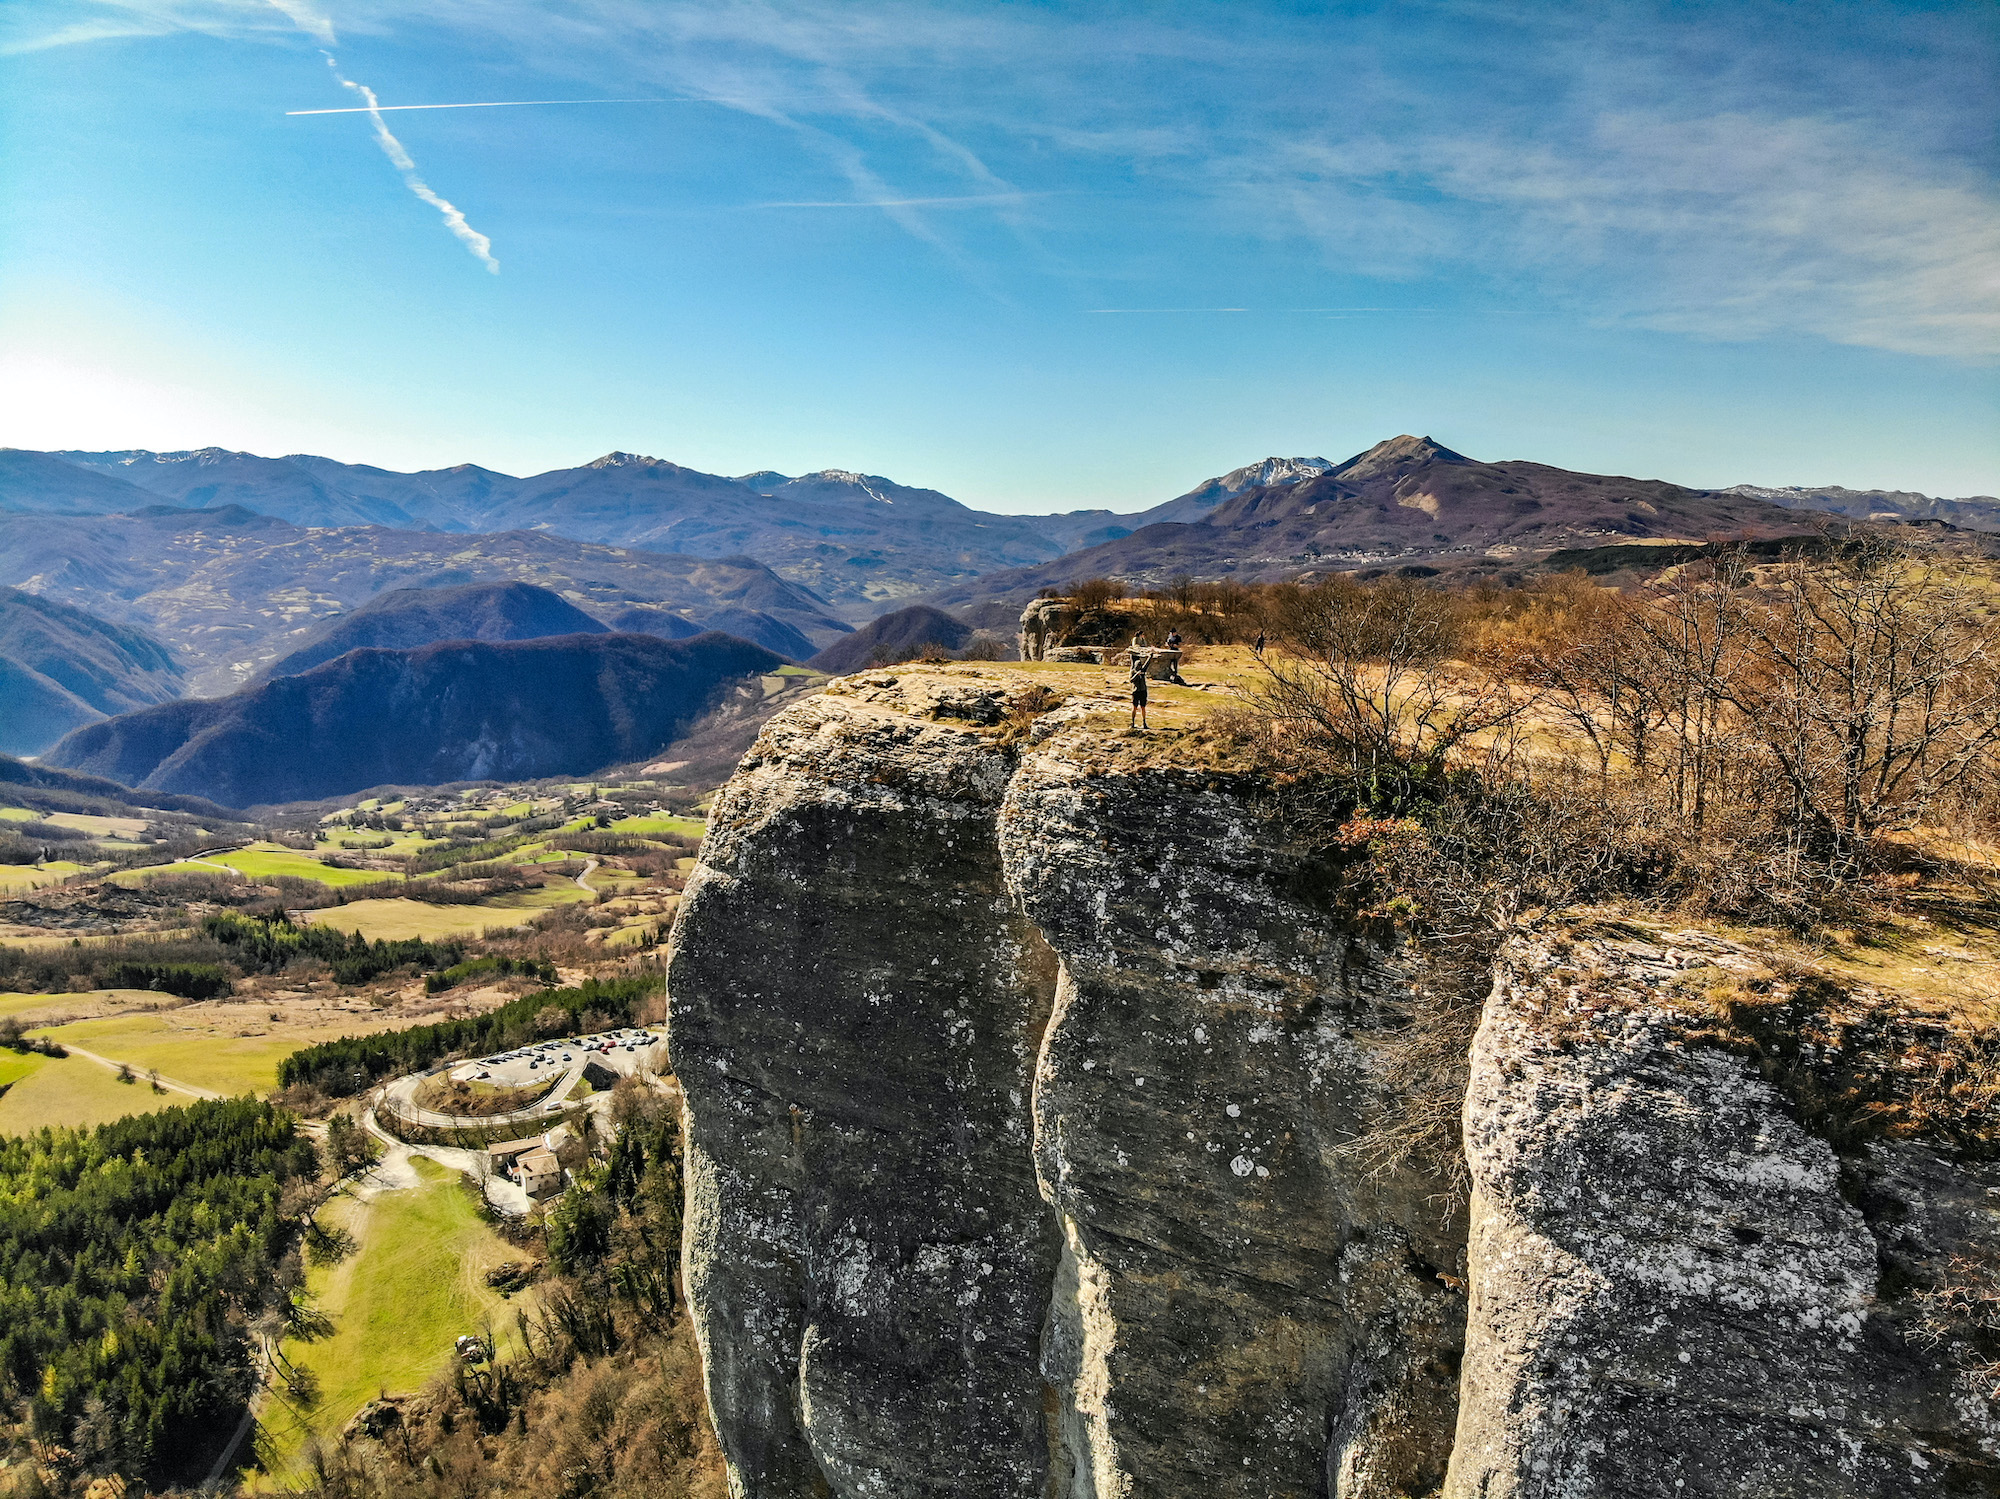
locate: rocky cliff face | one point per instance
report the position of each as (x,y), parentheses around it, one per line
(1028,1095)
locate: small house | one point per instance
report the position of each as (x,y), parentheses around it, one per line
(540,1173)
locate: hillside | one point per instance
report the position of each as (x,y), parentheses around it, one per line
(61,668)
(461,710)
(45,483)
(404,618)
(230,591)
(892,638)
(1406,498)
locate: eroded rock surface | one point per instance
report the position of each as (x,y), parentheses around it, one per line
(1676,1287)
(1023,1084)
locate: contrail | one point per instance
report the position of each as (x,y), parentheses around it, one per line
(487,104)
(454,221)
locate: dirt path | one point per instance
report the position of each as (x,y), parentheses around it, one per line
(165,1082)
(583,880)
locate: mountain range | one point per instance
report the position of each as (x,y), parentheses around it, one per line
(230,591)
(1409,501)
(202,571)
(454,711)
(858,540)
(862,543)
(1974,512)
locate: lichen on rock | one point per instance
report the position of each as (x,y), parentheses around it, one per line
(1024,1080)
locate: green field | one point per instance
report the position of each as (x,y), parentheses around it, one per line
(75,1092)
(262,860)
(16,1065)
(224,1064)
(18,814)
(416,1283)
(28,877)
(391,919)
(542,899)
(687,827)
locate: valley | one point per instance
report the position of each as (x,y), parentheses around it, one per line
(1078,1006)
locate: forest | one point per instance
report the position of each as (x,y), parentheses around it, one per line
(138,1263)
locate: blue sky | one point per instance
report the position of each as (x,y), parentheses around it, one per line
(1038,255)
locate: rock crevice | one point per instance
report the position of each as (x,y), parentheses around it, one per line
(1022,1091)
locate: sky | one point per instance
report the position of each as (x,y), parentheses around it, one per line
(1040,256)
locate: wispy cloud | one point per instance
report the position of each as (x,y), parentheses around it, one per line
(308,19)
(1747,169)
(383,109)
(454,221)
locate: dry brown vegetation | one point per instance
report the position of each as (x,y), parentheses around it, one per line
(1808,749)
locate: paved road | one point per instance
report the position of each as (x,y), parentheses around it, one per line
(139,1072)
(392,1173)
(403,1094)
(583,880)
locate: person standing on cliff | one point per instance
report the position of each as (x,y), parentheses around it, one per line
(1140,663)
(1174,658)
(1259,646)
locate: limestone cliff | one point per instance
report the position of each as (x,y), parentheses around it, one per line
(1028,1087)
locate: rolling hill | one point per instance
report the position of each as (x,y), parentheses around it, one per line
(893,637)
(230,591)
(404,618)
(461,710)
(61,668)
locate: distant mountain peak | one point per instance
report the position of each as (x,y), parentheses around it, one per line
(624,460)
(870,485)
(1403,451)
(1271,471)
(1206,495)
(764,479)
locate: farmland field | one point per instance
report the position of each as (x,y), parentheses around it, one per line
(28,877)
(16,1065)
(73,1091)
(415,1284)
(225,1064)
(687,827)
(391,919)
(80,1000)
(263,860)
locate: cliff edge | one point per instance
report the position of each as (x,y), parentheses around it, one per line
(1030,1077)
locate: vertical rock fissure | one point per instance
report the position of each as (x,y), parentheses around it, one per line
(1236,1311)
(1023,1100)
